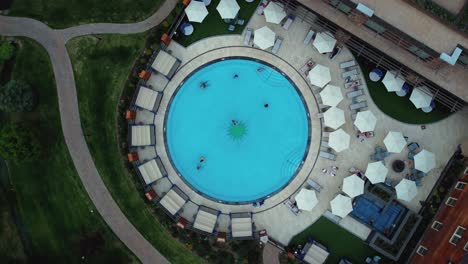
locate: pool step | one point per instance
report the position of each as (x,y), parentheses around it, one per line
(272,78)
(291,163)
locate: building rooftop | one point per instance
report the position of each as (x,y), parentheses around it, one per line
(437,243)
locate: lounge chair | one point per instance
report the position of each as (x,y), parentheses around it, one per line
(411,155)
(327,155)
(261,7)
(292,207)
(413,146)
(240,22)
(277,45)
(307,66)
(353,116)
(232,27)
(320,115)
(314,185)
(355,93)
(352,84)
(335,52)
(325,144)
(288,22)
(248,36)
(388,182)
(418,183)
(374,157)
(325,134)
(357,106)
(309,37)
(323,107)
(349,73)
(347,64)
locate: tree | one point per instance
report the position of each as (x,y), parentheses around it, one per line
(18,143)
(6,51)
(16,96)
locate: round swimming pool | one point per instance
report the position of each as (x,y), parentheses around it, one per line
(237,130)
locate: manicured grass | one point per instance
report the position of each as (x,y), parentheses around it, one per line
(101,68)
(53,206)
(400,108)
(213,25)
(66,13)
(340,242)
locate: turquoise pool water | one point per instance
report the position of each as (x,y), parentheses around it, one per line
(238,139)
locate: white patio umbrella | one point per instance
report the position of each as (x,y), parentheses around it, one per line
(392,82)
(319,75)
(306,200)
(424,161)
(421,97)
(334,118)
(353,186)
(376,172)
(394,142)
(406,190)
(365,121)
(196,11)
(324,42)
(339,140)
(228,9)
(341,205)
(331,95)
(274,13)
(264,37)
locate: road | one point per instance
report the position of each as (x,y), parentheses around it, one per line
(54,43)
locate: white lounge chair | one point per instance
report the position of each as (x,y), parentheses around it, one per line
(358,105)
(277,45)
(347,64)
(355,93)
(309,37)
(349,73)
(314,185)
(327,155)
(288,22)
(248,36)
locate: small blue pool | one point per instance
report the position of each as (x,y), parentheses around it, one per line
(375,213)
(237,130)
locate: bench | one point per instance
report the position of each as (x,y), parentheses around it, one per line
(314,185)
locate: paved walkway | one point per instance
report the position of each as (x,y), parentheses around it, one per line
(54,42)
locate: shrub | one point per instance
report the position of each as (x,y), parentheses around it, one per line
(18,144)
(6,51)
(16,96)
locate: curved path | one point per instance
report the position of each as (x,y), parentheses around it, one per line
(54,42)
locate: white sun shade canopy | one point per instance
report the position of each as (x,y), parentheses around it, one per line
(196,11)
(331,95)
(406,190)
(421,97)
(334,117)
(339,140)
(172,202)
(353,186)
(376,172)
(394,142)
(147,98)
(324,42)
(392,82)
(241,226)
(365,121)
(150,171)
(341,205)
(274,13)
(424,161)
(306,200)
(228,9)
(264,37)
(319,75)
(141,135)
(205,221)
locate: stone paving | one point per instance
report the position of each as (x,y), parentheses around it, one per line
(280,222)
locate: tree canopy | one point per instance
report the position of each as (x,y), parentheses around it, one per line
(16,96)
(18,143)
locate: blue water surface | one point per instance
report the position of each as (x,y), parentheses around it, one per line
(237,170)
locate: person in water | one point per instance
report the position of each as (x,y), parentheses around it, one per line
(265,105)
(204,84)
(260,69)
(202,159)
(236,76)
(234,122)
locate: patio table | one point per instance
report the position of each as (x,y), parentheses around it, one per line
(187,29)
(427,109)
(375,75)
(401,93)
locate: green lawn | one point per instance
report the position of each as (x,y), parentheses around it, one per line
(66,13)
(52,203)
(400,108)
(340,242)
(213,24)
(101,68)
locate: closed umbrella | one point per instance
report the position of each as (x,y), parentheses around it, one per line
(228,9)
(376,172)
(319,75)
(353,186)
(334,118)
(394,142)
(331,95)
(365,121)
(324,42)
(421,97)
(339,140)
(264,37)
(406,190)
(306,200)
(392,82)
(341,205)
(274,13)
(424,161)
(196,11)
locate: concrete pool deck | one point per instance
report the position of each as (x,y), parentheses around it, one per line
(441,138)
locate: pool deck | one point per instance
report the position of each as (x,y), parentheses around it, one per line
(441,138)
